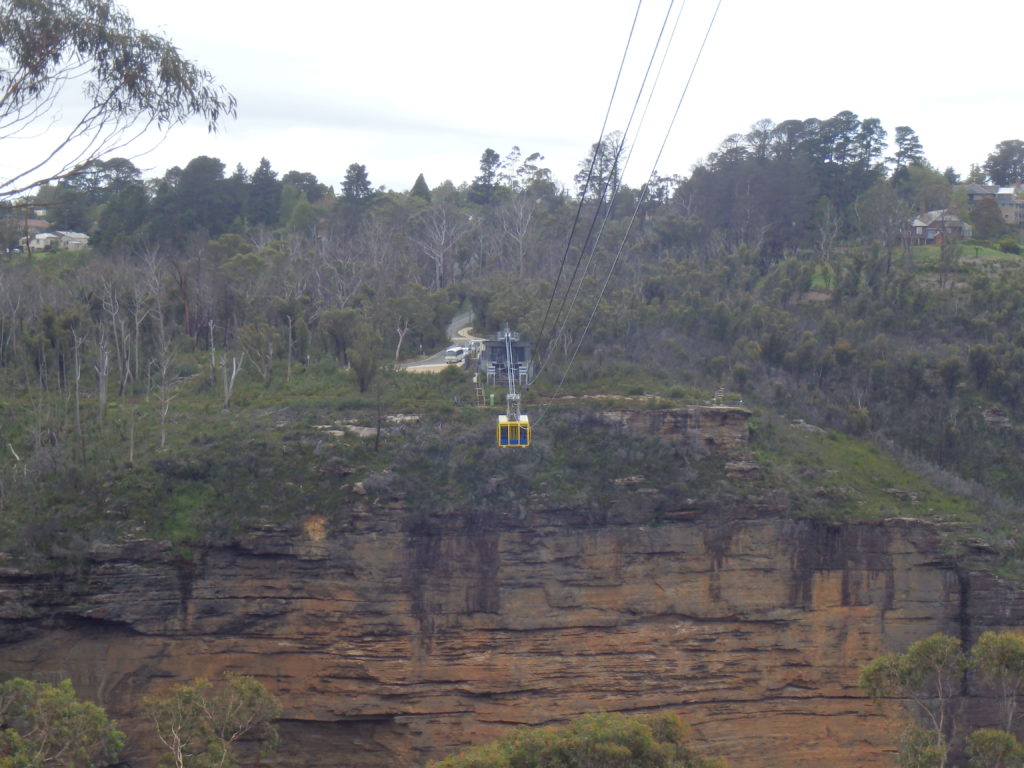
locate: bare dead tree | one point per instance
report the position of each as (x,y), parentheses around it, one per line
(515,217)
(291,340)
(78,340)
(102,368)
(829,223)
(442,227)
(164,360)
(401,328)
(257,342)
(229,378)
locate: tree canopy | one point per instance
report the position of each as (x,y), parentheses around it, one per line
(929,676)
(200,723)
(1005,166)
(46,725)
(131,80)
(603,740)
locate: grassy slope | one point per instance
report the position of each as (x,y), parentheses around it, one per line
(284,451)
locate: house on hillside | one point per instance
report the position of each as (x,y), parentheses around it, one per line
(933,227)
(72,241)
(40,241)
(59,241)
(32,226)
(1008,199)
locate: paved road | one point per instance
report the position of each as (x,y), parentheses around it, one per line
(458,333)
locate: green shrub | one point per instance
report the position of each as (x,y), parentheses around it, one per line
(1009,245)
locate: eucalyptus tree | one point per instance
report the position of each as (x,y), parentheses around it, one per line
(202,723)
(928,677)
(131,81)
(515,217)
(600,172)
(882,216)
(43,724)
(999,658)
(441,228)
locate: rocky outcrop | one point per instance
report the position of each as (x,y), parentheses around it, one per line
(714,428)
(399,637)
(393,636)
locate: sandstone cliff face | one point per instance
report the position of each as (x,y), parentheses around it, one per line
(401,636)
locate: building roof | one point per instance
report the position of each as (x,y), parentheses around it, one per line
(929,218)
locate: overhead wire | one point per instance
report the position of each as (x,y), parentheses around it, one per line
(636,210)
(602,211)
(590,172)
(625,165)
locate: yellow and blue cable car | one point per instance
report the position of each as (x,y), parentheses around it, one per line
(513,427)
(514,432)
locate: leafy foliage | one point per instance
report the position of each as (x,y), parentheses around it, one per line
(201,724)
(991,748)
(46,725)
(779,270)
(606,740)
(929,676)
(130,77)
(999,658)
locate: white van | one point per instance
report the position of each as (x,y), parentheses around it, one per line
(455,355)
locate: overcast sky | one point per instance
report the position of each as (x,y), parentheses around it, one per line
(408,86)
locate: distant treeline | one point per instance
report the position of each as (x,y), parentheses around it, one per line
(779,268)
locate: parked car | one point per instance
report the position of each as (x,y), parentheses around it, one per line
(455,355)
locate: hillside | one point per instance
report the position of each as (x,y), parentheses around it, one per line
(397,623)
(763,453)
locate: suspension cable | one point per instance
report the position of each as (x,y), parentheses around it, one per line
(602,211)
(590,172)
(636,210)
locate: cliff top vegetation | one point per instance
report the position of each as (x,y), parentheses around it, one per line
(205,364)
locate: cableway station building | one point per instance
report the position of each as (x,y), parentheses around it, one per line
(495,365)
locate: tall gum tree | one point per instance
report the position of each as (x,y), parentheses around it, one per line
(129,81)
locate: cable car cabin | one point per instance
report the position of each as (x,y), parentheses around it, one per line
(514,433)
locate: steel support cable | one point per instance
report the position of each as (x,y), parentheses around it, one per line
(590,243)
(590,173)
(636,211)
(640,125)
(639,129)
(508,364)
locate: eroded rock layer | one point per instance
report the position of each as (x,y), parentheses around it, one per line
(406,637)
(400,636)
